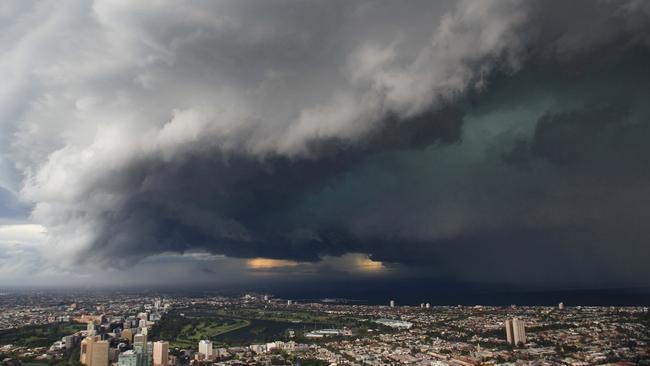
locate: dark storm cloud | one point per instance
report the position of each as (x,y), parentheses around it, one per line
(247,207)
(563,201)
(302,130)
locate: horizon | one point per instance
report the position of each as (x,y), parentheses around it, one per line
(494,149)
(436,296)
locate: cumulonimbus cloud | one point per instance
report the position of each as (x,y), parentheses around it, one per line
(137,129)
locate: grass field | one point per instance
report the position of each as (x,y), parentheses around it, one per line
(185,331)
(192,333)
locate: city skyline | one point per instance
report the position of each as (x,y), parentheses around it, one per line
(327,147)
(155,329)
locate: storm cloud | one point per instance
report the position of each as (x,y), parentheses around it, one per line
(459,138)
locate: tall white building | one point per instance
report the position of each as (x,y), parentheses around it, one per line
(515,331)
(392,303)
(205,349)
(560,306)
(160,353)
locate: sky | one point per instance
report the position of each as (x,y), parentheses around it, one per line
(251,143)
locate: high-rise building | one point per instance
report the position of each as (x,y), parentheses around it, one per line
(160,353)
(128,358)
(86,350)
(94,352)
(392,303)
(139,340)
(205,349)
(99,354)
(560,306)
(428,305)
(142,349)
(515,331)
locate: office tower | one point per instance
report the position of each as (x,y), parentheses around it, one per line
(99,355)
(428,305)
(86,350)
(205,348)
(392,303)
(128,358)
(139,340)
(560,306)
(142,349)
(160,353)
(421,305)
(94,352)
(515,331)
(289,302)
(147,357)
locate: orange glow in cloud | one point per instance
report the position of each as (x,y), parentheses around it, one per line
(367,264)
(267,263)
(351,262)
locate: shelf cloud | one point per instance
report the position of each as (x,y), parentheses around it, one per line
(456,137)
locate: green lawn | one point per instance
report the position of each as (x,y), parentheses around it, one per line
(187,331)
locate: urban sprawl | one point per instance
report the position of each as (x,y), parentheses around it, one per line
(123,329)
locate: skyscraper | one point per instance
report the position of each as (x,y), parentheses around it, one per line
(86,350)
(392,303)
(560,306)
(142,349)
(205,349)
(160,353)
(515,331)
(99,356)
(94,352)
